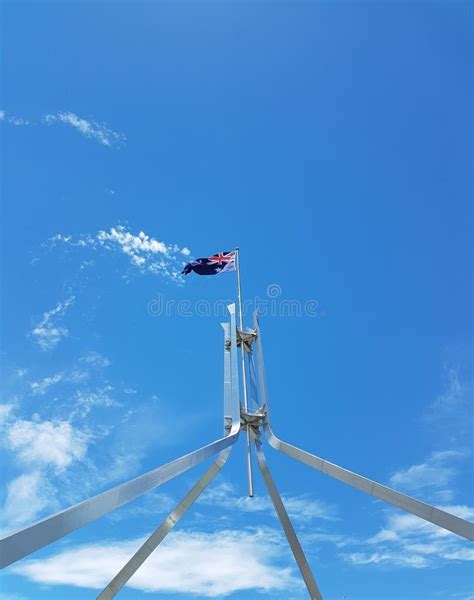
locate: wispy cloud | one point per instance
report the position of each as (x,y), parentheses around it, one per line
(204,564)
(451,415)
(95,359)
(49,332)
(399,559)
(86,400)
(40,387)
(407,541)
(146,253)
(299,507)
(18,121)
(434,476)
(86,367)
(87,127)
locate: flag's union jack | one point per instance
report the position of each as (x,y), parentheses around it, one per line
(217,263)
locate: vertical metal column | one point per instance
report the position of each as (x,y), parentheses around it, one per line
(244,374)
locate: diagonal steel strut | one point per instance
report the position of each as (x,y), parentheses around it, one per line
(132,566)
(24,542)
(407,503)
(291,536)
(19,544)
(231,406)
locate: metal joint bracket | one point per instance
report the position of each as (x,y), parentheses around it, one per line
(246,338)
(253,420)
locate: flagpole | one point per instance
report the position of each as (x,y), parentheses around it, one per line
(244,373)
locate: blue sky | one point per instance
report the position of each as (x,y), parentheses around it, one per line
(332,143)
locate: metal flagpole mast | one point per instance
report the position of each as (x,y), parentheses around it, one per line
(244,374)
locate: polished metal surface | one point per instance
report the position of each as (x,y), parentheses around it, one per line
(253,396)
(234,368)
(227,379)
(411,505)
(291,536)
(262,380)
(19,544)
(162,531)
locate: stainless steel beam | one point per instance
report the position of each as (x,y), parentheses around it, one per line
(234,367)
(411,505)
(244,373)
(407,503)
(227,379)
(291,536)
(162,531)
(253,384)
(19,544)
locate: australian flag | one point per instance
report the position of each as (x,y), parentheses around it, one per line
(217,263)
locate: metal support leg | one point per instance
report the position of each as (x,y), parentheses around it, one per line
(295,545)
(19,544)
(382,492)
(166,526)
(411,505)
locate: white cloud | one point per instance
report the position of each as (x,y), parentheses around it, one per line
(461,554)
(26,497)
(49,332)
(41,387)
(406,525)
(5,412)
(4,116)
(407,541)
(18,121)
(145,252)
(95,359)
(47,443)
(90,363)
(193,562)
(392,558)
(298,507)
(87,127)
(84,401)
(132,245)
(90,129)
(437,472)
